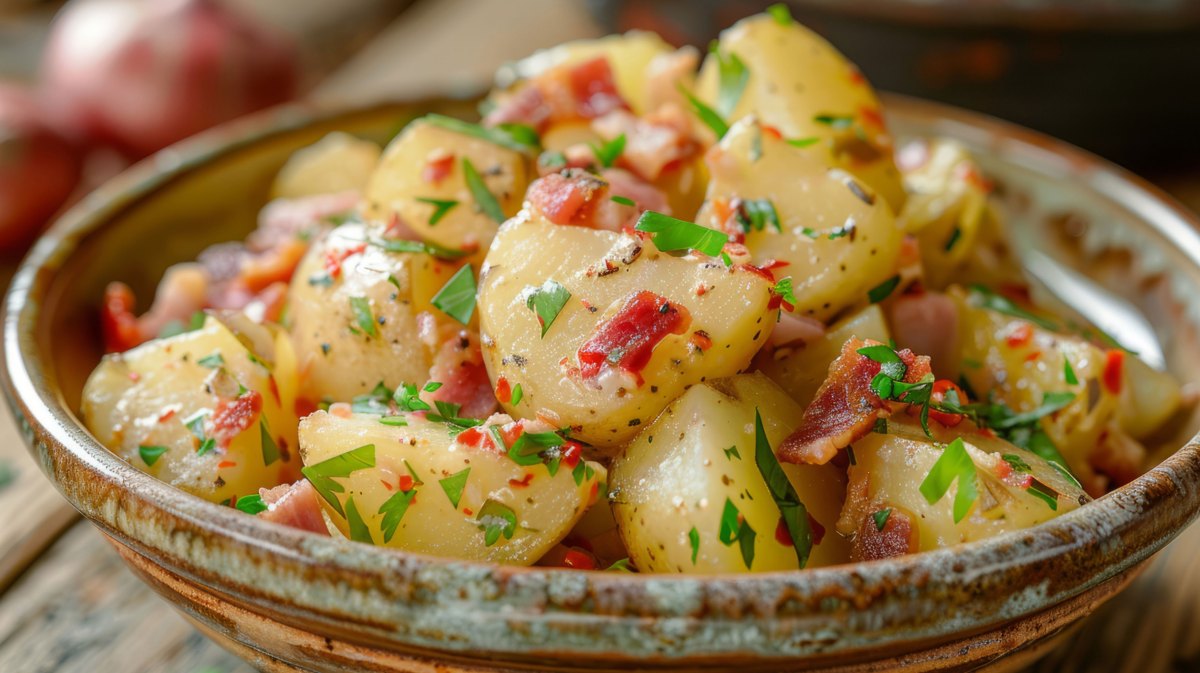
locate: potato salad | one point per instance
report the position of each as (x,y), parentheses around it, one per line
(655,311)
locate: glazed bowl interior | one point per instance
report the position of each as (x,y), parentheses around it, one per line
(1082,212)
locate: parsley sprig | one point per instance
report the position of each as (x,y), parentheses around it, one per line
(673,235)
(793,511)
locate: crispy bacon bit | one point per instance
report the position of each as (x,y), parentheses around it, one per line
(117,321)
(437,167)
(845,408)
(458,366)
(594,88)
(303,407)
(503,390)
(568,92)
(476,438)
(654,144)
(233,417)
(700,340)
(898,537)
(569,198)
(627,339)
(523,482)
(1114,365)
(1020,335)
(294,505)
(335,257)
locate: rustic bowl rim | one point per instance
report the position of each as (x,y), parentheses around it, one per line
(1124,528)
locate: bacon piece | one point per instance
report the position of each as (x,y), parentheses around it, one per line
(569,197)
(645,196)
(898,537)
(845,408)
(627,339)
(653,143)
(458,366)
(594,88)
(911,316)
(296,505)
(233,417)
(437,167)
(565,93)
(118,324)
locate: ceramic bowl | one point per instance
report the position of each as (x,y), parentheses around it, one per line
(291,601)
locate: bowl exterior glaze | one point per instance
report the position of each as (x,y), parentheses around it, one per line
(287,600)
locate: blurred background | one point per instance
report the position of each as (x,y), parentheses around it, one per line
(87,86)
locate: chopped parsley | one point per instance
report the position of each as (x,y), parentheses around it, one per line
(212,360)
(1044,493)
(453,486)
(734,528)
(732,77)
(496,519)
(360,308)
(547,302)
(251,504)
(954,464)
(457,297)
(404,245)
(393,511)
(517,137)
(804,142)
(532,447)
(881,518)
(883,290)
(552,160)
(624,201)
(780,13)
(835,122)
(1069,372)
(954,236)
(694,542)
(270,450)
(732,452)
(1017,463)
(985,298)
(757,215)
(177,327)
(195,423)
(440,208)
(359,532)
(484,199)
(609,151)
(322,474)
(793,511)
(374,402)
(784,290)
(407,398)
(150,453)
(672,235)
(707,115)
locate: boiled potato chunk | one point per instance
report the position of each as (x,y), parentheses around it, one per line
(838,239)
(338,162)
(799,84)
(353,309)
(889,469)
(603,271)
(397,187)
(671,487)
(1149,398)
(209,411)
(628,55)
(418,489)
(800,368)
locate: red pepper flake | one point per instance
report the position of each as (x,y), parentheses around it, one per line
(1114,365)
(772,264)
(135,377)
(226,463)
(572,452)
(1003,469)
(334,258)
(1019,335)
(700,340)
(1032,357)
(303,407)
(856,77)
(782,535)
(579,560)
(274,388)
(438,167)
(971,175)
(871,116)
(405,482)
(166,415)
(818,531)
(503,391)
(986,432)
(385,484)
(701,289)
(938,394)
(627,339)
(523,482)
(468,511)
(473,437)
(765,274)
(772,131)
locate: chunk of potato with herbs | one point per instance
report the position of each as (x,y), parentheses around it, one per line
(908,492)
(407,482)
(840,243)
(355,309)
(1071,385)
(209,411)
(796,82)
(339,162)
(628,56)
(690,495)
(799,368)
(451,182)
(601,330)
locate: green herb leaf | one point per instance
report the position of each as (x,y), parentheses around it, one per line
(399,245)
(732,452)
(672,235)
(320,280)
(757,215)
(732,77)
(394,421)
(453,486)
(783,289)
(359,532)
(1044,493)
(881,426)
(836,122)
(484,199)
(694,541)
(322,474)
(547,302)
(150,453)
(954,464)
(552,160)
(707,115)
(954,236)
(517,395)
(890,364)
(176,327)
(883,290)
(736,529)
(803,142)
(457,297)
(1051,402)
(881,518)
(793,511)
(360,307)
(529,448)
(621,565)
(407,398)
(624,201)
(1017,463)
(270,450)
(212,361)
(251,504)
(507,135)
(440,208)
(374,402)
(1069,373)
(496,519)
(780,13)
(985,298)
(609,151)
(393,510)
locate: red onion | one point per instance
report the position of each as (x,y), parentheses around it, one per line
(141,75)
(38,169)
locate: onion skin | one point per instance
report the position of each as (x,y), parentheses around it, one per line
(141,75)
(38,169)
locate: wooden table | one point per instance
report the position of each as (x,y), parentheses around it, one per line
(68,605)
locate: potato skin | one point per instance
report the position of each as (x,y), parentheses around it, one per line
(889,469)
(678,474)
(732,311)
(546,506)
(338,359)
(144,397)
(336,163)
(400,180)
(796,78)
(838,239)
